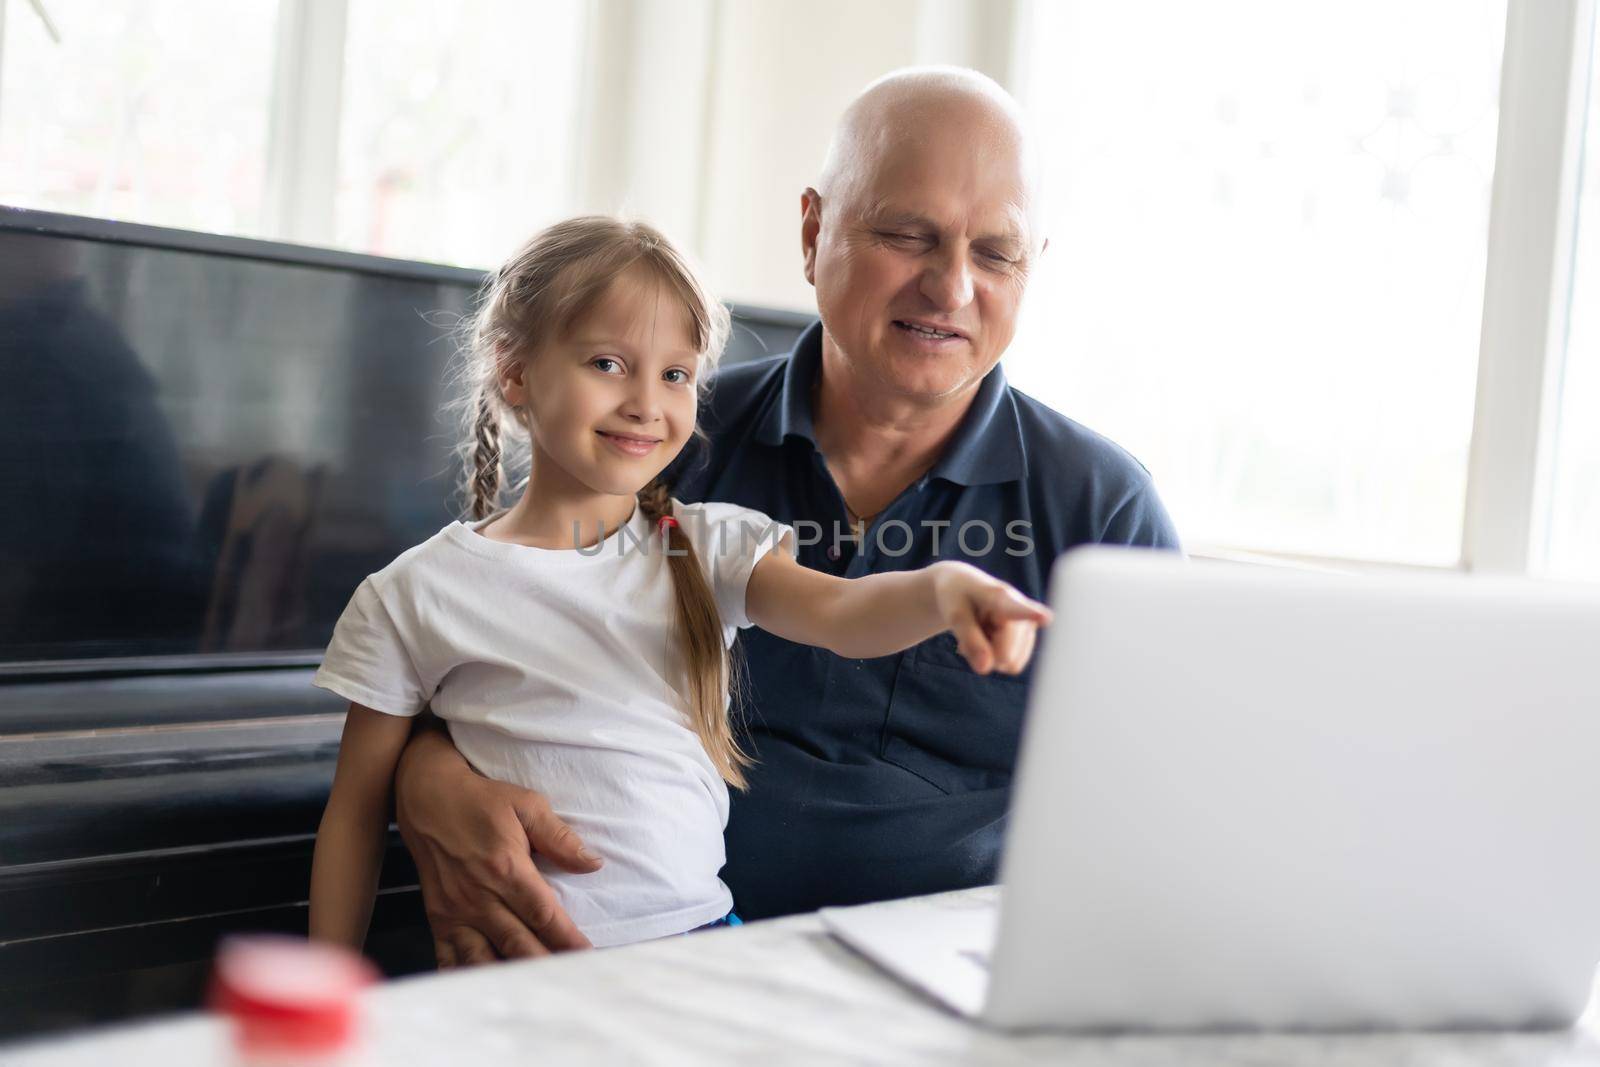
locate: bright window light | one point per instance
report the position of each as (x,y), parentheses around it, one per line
(1574,529)
(150,112)
(457,137)
(1265,275)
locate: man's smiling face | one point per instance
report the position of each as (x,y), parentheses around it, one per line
(920,245)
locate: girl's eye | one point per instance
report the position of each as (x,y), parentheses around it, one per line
(677,376)
(605,365)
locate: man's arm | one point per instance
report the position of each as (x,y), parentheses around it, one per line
(473,841)
(1141,519)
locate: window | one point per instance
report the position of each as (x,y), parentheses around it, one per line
(154,112)
(1574,529)
(453,136)
(458,126)
(1267,258)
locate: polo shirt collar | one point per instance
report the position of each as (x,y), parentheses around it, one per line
(791,415)
(987,446)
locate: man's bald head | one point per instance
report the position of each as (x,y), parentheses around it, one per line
(920,235)
(921,106)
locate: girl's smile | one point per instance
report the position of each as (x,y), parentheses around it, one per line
(630,444)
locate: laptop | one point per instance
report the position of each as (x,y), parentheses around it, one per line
(1256,798)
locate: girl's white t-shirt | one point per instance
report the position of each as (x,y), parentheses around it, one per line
(559,670)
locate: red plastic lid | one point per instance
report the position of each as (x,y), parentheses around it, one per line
(286,993)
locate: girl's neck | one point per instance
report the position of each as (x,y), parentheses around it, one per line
(561,513)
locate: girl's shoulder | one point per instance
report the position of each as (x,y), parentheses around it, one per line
(714,511)
(426,561)
(719,524)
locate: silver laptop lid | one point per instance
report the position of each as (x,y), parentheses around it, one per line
(1271,798)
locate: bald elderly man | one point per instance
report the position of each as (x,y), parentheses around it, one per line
(889,438)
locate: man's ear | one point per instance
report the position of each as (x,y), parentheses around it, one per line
(810,226)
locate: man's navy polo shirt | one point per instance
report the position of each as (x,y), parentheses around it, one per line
(891,777)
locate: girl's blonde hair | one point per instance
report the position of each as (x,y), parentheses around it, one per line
(535,298)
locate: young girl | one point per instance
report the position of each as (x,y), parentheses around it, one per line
(579,641)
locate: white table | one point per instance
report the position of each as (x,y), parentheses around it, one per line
(767,993)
